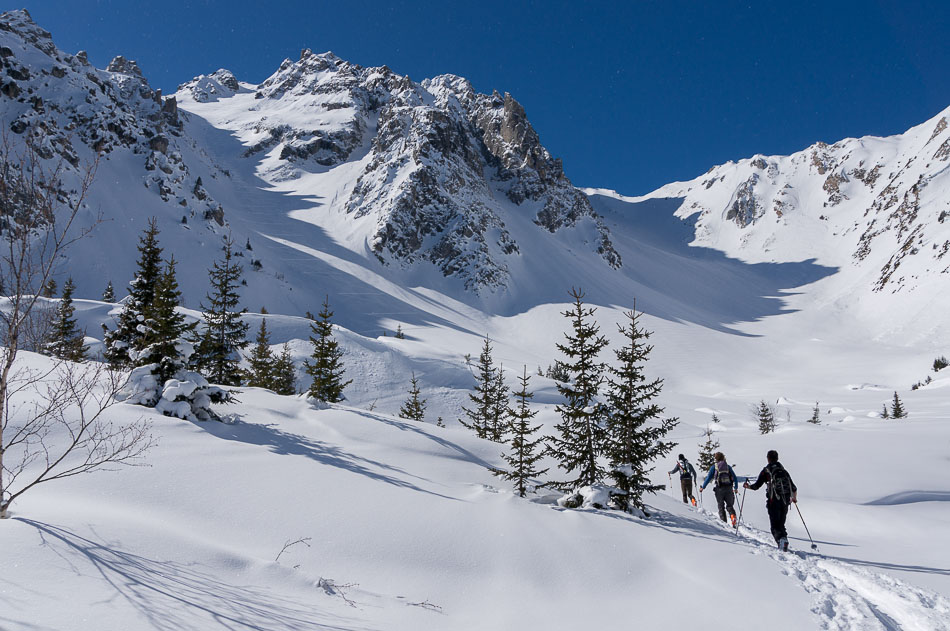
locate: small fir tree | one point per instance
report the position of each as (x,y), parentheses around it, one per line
(66,340)
(109,294)
(707,450)
(128,336)
(217,353)
(399,334)
(260,373)
(285,373)
(581,433)
(715,418)
(815,415)
(635,429)
(885,413)
(500,410)
(414,408)
(326,369)
(489,408)
(524,453)
(897,408)
(49,289)
(766,417)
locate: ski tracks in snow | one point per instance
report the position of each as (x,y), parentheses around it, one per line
(849,597)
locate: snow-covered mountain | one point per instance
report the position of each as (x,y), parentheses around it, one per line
(342,180)
(430,207)
(881,204)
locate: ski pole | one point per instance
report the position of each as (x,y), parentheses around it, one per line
(813,545)
(741,504)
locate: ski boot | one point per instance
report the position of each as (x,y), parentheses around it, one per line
(733,518)
(693,500)
(783,544)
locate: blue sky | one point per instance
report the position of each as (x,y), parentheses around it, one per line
(631,95)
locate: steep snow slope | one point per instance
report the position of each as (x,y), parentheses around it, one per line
(874,208)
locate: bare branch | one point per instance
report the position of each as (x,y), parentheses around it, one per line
(304,540)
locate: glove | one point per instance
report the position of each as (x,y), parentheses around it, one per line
(745,485)
(795,497)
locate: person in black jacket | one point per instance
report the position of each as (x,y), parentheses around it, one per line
(780,493)
(687,478)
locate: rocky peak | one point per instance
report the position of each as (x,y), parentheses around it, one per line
(121,65)
(72,112)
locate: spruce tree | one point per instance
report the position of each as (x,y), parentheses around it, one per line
(326,370)
(581,432)
(285,374)
(897,408)
(635,429)
(109,294)
(815,415)
(490,399)
(766,418)
(260,374)
(707,450)
(217,354)
(66,340)
(49,289)
(500,410)
(128,335)
(523,453)
(414,408)
(165,328)
(715,418)
(885,413)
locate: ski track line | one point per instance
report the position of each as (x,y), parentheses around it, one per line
(849,597)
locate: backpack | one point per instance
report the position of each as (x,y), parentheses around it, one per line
(723,475)
(780,484)
(684,469)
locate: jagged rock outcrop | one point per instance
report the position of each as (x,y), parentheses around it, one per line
(71,111)
(440,166)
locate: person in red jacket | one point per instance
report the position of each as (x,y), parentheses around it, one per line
(780,493)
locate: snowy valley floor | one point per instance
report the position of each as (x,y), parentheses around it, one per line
(406,529)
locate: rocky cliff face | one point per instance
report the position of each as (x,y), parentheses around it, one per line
(436,167)
(876,203)
(73,113)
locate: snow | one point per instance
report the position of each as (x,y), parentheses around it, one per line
(406,528)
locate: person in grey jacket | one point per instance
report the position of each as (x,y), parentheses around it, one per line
(725,487)
(687,478)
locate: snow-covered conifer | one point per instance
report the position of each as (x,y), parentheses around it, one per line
(815,415)
(285,373)
(66,340)
(523,453)
(164,328)
(707,450)
(635,427)
(765,414)
(581,432)
(489,410)
(224,334)
(326,370)
(897,408)
(260,374)
(128,335)
(414,409)
(109,294)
